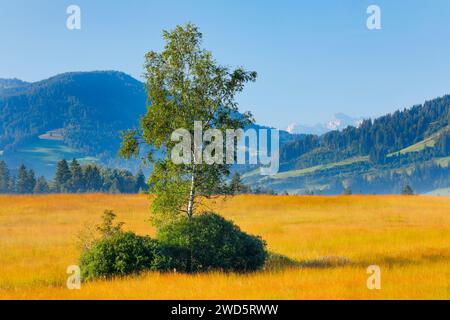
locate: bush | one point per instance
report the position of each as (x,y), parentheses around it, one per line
(209,242)
(203,243)
(170,258)
(120,254)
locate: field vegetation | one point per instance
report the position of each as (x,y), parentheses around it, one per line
(320,248)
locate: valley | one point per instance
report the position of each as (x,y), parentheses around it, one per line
(73,115)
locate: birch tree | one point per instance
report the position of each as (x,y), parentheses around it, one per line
(186,89)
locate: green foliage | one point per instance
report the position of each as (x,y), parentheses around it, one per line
(171,190)
(31,181)
(107,228)
(62,177)
(184,84)
(170,258)
(140,184)
(236,186)
(75,178)
(209,242)
(130,145)
(378,156)
(22,180)
(115,252)
(120,254)
(4,178)
(42,186)
(26,181)
(443,144)
(201,243)
(93,179)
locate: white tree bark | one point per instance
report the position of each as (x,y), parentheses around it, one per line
(190,208)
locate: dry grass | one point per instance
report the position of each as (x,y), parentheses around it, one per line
(332,239)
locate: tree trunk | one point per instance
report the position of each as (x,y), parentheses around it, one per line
(190,212)
(190,207)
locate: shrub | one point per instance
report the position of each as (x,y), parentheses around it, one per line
(88,236)
(169,258)
(203,243)
(107,228)
(119,254)
(209,242)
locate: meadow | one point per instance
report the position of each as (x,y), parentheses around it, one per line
(323,246)
(43,155)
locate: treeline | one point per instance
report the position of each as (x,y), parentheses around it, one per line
(395,131)
(91,178)
(72,178)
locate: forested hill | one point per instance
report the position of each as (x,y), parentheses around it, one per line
(375,138)
(380,156)
(80,115)
(88,109)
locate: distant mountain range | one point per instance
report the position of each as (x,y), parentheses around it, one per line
(338,122)
(79,115)
(409,147)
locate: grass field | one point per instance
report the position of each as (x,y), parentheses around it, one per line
(333,240)
(301,172)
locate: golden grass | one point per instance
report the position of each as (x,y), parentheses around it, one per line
(334,240)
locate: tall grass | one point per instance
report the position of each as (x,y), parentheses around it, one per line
(321,248)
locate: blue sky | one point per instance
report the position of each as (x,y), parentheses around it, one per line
(313,58)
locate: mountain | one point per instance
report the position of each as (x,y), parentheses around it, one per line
(76,114)
(339,121)
(80,115)
(379,156)
(71,115)
(87,108)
